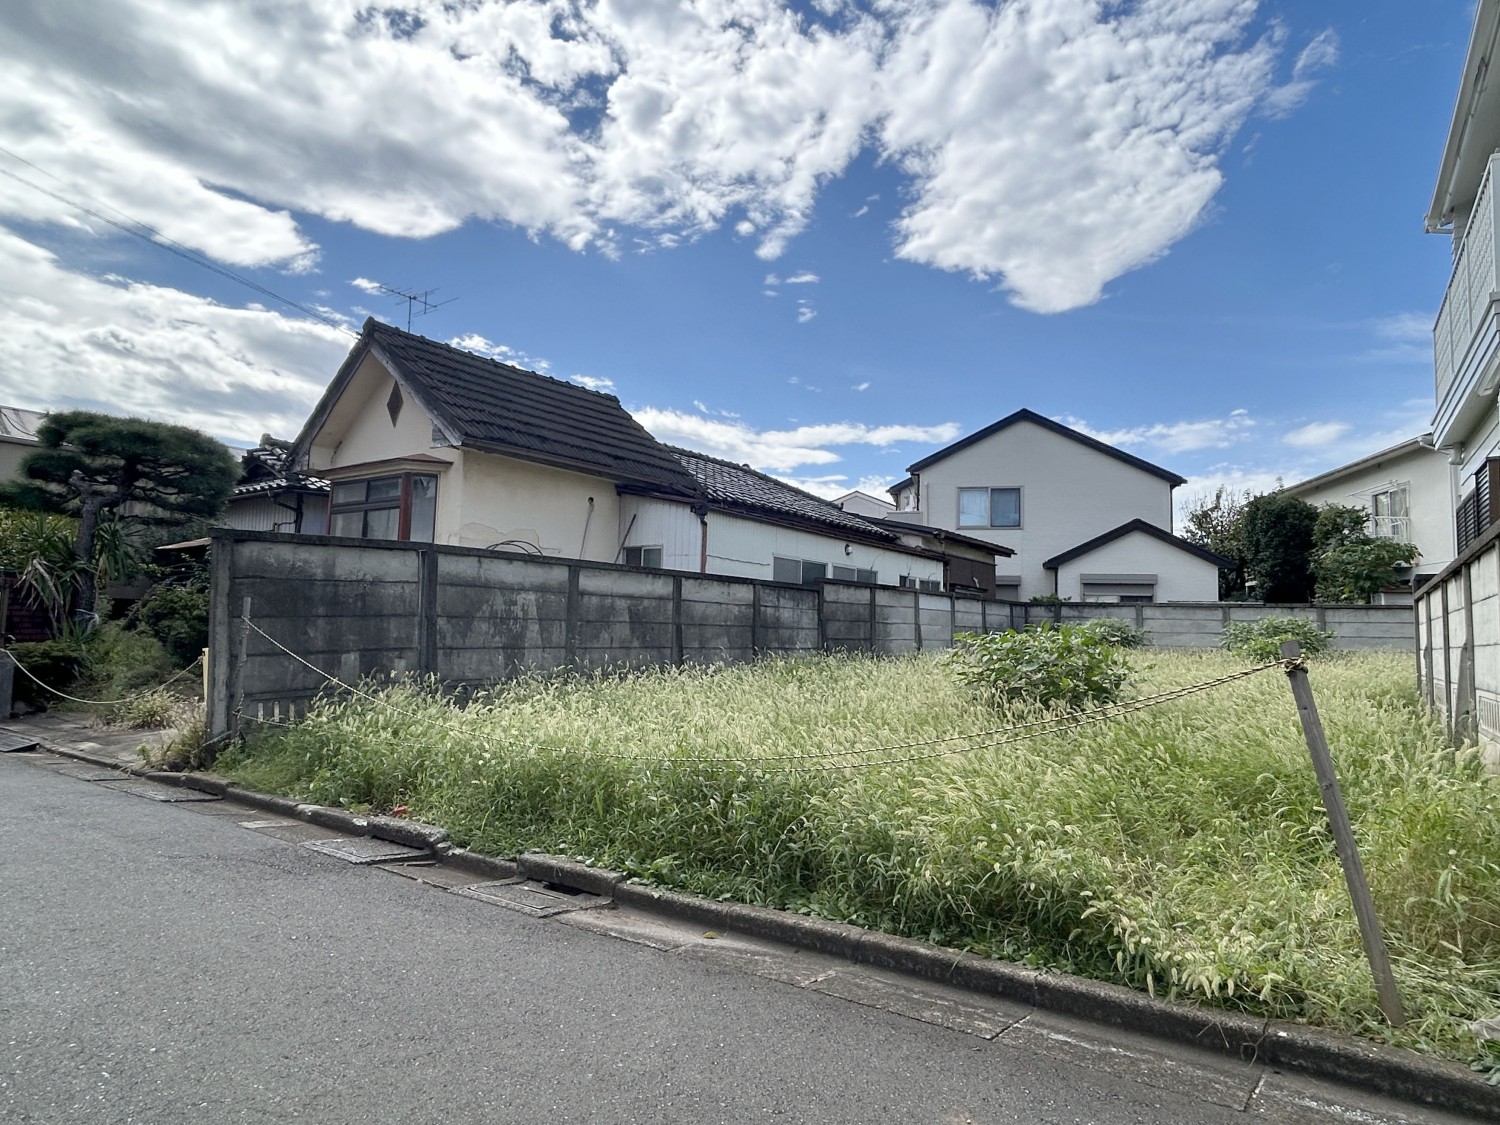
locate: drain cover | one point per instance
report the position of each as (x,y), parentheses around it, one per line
(15,743)
(85,773)
(364,849)
(154,792)
(539,900)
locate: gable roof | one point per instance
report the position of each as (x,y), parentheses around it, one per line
(741,487)
(1024,415)
(1411,445)
(1145,528)
(493,407)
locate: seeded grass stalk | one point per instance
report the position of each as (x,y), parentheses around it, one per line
(1182,850)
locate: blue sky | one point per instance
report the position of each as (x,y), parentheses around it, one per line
(823,239)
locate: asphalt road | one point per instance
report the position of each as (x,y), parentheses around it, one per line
(162,963)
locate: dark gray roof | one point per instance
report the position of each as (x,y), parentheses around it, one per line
(491,406)
(1024,415)
(1146,528)
(268,468)
(942,535)
(739,486)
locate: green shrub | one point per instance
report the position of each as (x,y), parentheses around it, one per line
(1116,631)
(125,661)
(177,616)
(1063,666)
(59,664)
(1261,640)
(151,711)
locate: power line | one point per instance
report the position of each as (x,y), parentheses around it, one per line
(153,237)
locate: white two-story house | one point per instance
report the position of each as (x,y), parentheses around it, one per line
(1407,491)
(1466,337)
(1087,522)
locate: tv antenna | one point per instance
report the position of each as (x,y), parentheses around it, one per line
(417,304)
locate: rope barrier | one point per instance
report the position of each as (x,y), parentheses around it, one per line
(1056,724)
(100,702)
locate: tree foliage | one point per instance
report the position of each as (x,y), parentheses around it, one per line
(1278,536)
(1350,564)
(123,472)
(1216,522)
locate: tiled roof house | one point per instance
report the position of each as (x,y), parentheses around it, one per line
(425,441)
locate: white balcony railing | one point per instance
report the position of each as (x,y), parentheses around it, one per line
(1470,290)
(1391,527)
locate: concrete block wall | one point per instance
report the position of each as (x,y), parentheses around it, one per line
(353,608)
(1458,646)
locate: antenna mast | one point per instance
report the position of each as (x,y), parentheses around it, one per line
(415,299)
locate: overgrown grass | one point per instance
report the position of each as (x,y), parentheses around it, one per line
(1183,850)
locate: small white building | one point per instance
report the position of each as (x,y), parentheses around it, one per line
(1056,496)
(1408,492)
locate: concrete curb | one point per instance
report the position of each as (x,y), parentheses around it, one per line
(1395,1072)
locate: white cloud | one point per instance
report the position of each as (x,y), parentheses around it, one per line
(1052,146)
(865,386)
(1316,434)
(474,342)
(1319,55)
(864,210)
(365,285)
(780,451)
(593,383)
(805,313)
(1175,437)
(126,347)
(771,279)
(806,277)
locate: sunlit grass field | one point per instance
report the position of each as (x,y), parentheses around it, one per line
(1183,849)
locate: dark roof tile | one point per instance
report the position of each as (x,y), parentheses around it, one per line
(740,486)
(498,408)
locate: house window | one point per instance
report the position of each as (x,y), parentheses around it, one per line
(989,507)
(403,506)
(643,556)
(1119,589)
(854,574)
(930,585)
(802,571)
(1390,514)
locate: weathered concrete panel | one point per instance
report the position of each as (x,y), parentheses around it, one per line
(711,613)
(594,610)
(489,572)
(624,583)
(719,593)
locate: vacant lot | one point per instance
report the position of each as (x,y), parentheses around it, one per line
(1182,849)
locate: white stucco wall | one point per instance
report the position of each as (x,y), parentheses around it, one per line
(501,498)
(1069,494)
(1180,576)
(745,548)
(1429,480)
(359,427)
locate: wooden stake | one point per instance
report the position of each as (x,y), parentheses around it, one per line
(1343,838)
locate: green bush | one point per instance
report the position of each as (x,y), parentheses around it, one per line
(58,664)
(1059,666)
(1261,640)
(125,661)
(177,616)
(1117,632)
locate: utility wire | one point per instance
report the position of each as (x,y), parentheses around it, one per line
(153,237)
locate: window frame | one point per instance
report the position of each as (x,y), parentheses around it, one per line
(401,504)
(640,553)
(989,506)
